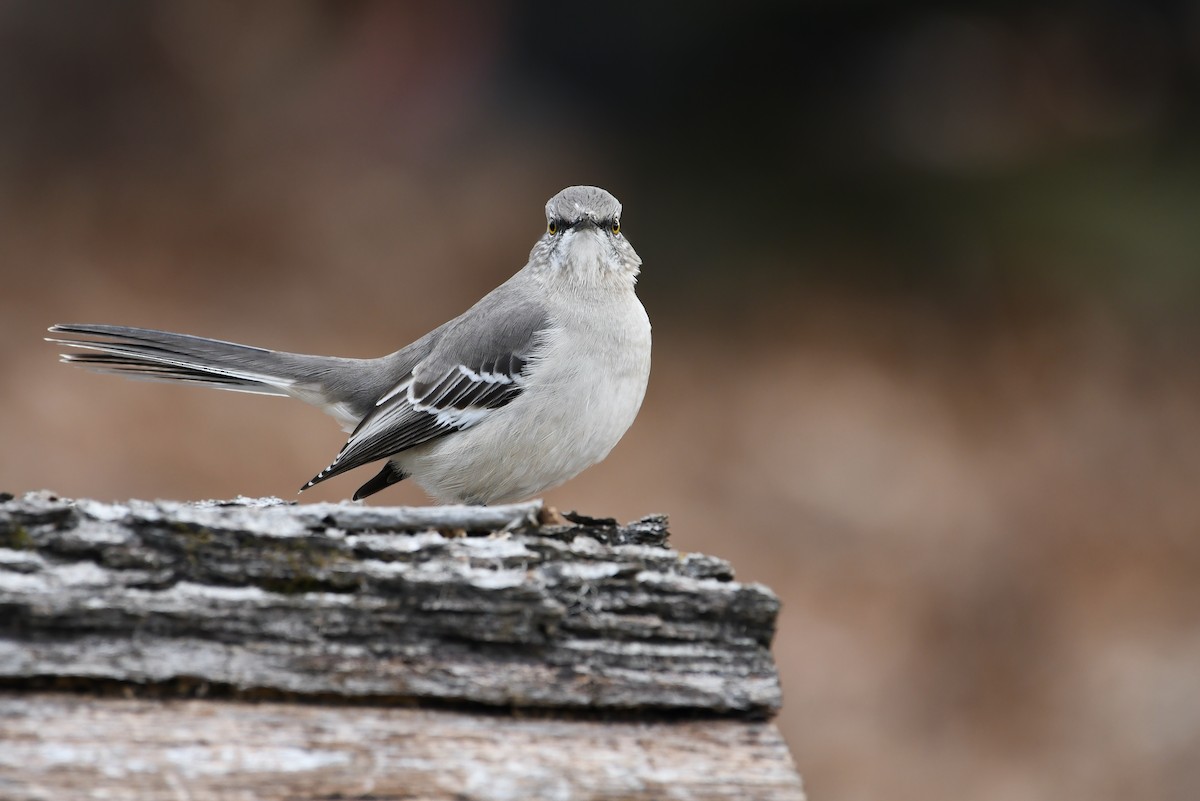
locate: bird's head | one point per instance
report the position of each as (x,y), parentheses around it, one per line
(583,240)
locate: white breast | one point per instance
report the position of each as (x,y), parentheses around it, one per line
(581,397)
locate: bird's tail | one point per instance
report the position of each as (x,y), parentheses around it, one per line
(162,356)
(150,355)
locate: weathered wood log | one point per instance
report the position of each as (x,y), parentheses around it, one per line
(64,748)
(356,601)
(452,610)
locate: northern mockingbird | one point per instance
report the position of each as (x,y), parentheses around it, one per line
(533,384)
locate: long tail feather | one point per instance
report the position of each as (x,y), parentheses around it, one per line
(347,389)
(163,356)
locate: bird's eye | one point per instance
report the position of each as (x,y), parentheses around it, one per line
(552,227)
(616,227)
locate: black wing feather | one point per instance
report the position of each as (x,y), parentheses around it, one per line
(478,363)
(427,412)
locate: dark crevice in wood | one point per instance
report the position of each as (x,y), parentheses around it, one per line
(357,602)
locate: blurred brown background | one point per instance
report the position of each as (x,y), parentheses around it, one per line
(923,278)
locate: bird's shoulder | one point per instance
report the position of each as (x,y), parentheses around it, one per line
(509,321)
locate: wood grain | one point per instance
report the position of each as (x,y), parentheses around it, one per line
(261,650)
(348,601)
(58,747)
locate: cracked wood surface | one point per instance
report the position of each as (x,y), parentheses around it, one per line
(343,601)
(256,649)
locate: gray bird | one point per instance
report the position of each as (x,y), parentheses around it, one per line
(526,389)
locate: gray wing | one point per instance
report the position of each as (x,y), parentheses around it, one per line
(479,363)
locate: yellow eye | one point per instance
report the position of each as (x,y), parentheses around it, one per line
(552,227)
(616,227)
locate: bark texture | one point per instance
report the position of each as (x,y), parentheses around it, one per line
(343,601)
(453,653)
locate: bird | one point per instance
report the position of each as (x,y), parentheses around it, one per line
(533,384)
